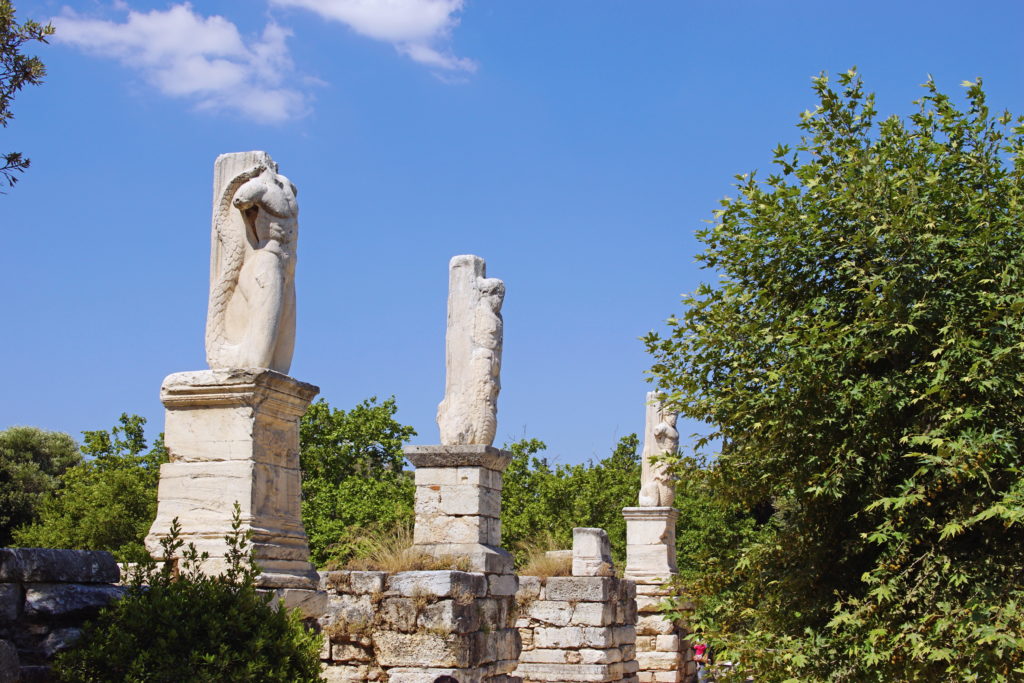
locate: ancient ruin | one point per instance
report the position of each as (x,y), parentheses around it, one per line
(232,432)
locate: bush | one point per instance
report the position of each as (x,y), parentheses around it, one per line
(194,627)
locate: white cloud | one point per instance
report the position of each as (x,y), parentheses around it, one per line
(184,54)
(418,29)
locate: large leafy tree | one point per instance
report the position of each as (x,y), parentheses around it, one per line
(540,500)
(31,463)
(16,71)
(107,502)
(862,360)
(352,477)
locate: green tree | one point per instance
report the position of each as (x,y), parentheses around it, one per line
(538,499)
(31,463)
(352,476)
(16,71)
(861,359)
(107,502)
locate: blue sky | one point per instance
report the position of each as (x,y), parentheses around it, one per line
(575,144)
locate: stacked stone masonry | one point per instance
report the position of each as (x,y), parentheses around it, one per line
(45,598)
(663,649)
(416,627)
(577,628)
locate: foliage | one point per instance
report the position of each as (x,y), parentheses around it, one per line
(16,71)
(539,499)
(861,360)
(352,478)
(194,627)
(31,463)
(107,502)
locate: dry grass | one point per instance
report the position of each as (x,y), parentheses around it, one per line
(536,561)
(392,551)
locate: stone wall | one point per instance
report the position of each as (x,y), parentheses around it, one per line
(662,647)
(419,626)
(45,598)
(577,628)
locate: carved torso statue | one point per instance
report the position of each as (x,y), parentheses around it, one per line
(251,319)
(660,438)
(469,412)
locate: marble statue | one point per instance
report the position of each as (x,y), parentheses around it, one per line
(468,415)
(251,318)
(660,437)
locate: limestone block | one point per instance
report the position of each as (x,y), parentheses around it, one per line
(424,675)
(606,656)
(312,604)
(650,541)
(423,649)
(529,588)
(659,661)
(450,616)
(367,582)
(568,672)
(494,611)
(479,557)
(9,663)
(553,612)
(580,588)
(574,637)
(653,624)
(668,676)
(526,637)
(66,600)
(472,456)
(43,565)
(497,645)
(669,643)
(398,614)
(645,587)
(625,635)
(591,552)
(628,652)
(593,614)
(58,640)
(350,652)
(630,666)
(442,583)
(345,673)
(434,528)
(351,609)
(645,604)
(502,584)
(11,599)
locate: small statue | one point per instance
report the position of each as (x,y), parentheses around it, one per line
(251,319)
(660,438)
(469,412)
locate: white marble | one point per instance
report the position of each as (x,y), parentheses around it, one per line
(251,317)
(660,438)
(468,414)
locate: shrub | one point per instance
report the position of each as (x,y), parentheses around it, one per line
(178,624)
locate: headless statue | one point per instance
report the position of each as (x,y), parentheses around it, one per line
(660,438)
(469,412)
(251,319)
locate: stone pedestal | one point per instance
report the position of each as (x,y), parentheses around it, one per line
(233,436)
(650,542)
(458,504)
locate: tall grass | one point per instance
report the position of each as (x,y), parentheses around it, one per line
(391,550)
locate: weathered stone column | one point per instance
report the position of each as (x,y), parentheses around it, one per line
(233,435)
(458,504)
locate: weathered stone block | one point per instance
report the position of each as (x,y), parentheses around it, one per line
(668,676)
(423,649)
(625,635)
(11,599)
(491,646)
(9,664)
(44,565)
(351,653)
(568,672)
(553,612)
(529,588)
(668,643)
(593,614)
(449,616)
(312,604)
(398,614)
(366,582)
(574,637)
(502,584)
(606,656)
(66,600)
(355,610)
(591,552)
(441,584)
(580,588)
(345,673)
(58,640)
(653,624)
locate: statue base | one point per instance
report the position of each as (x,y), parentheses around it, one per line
(233,436)
(650,542)
(458,504)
